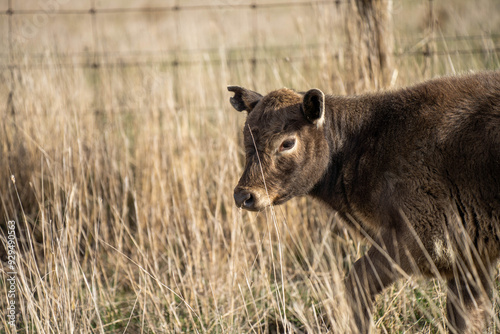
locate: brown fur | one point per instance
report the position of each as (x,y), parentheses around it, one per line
(417,170)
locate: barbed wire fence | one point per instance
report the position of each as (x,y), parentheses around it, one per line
(39,18)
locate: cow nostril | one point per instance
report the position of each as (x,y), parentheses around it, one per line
(244,199)
(249,202)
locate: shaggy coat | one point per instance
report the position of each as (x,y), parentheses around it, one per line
(416,170)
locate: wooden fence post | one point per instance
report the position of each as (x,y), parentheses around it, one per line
(370,44)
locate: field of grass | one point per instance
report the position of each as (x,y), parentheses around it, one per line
(120,178)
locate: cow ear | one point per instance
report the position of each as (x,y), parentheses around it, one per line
(243,99)
(313,106)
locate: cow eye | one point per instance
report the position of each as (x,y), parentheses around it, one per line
(286,145)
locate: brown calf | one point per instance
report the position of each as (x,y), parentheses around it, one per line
(417,170)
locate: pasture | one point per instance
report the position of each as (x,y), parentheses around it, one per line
(119,153)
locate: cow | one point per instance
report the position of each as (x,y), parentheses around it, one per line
(414,170)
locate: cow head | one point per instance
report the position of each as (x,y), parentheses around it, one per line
(285,145)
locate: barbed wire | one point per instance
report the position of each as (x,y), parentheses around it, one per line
(175,57)
(118,59)
(173,8)
(406,50)
(110,58)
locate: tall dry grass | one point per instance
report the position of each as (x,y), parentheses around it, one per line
(120,182)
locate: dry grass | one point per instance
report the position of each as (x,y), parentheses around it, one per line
(123,192)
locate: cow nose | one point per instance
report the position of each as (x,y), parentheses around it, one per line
(244,199)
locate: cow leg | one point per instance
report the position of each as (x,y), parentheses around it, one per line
(468,302)
(370,275)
